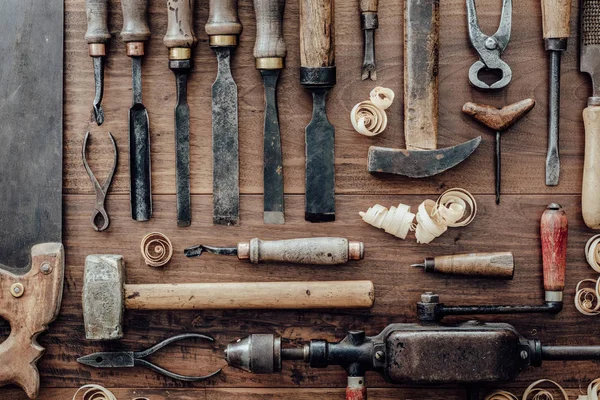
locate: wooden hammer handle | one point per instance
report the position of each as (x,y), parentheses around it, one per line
(317,47)
(250,295)
(223,18)
(590,206)
(180,26)
(269,29)
(135,21)
(97,29)
(554,232)
(556,17)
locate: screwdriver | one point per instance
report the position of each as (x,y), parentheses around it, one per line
(369,23)
(480,265)
(96,36)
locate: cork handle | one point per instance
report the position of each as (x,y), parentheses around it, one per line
(554,231)
(223,18)
(484,265)
(556,16)
(135,21)
(269,23)
(317,48)
(180,27)
(318,251)
(590,205)
(97,30)
(368,5)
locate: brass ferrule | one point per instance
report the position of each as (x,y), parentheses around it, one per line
(243,250)
(269,63)
(97,49)
(356,250)
(223,41)
(180,53)
(135,49)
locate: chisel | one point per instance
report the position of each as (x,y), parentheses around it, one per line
(479,265)
(223,28)
(269,52)
(180,39)
(135,32)
(369,23)
(317,74)
(97,36)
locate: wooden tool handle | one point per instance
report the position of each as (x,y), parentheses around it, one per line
(320,251)
(250,295)
(135,21)
(590,205)
(317,47)
(223,18)
(269,25)
(484,265)
(180,27)
(556,16)
(29,303)
(553,232)
(97,29)
(499,119)
(368,5)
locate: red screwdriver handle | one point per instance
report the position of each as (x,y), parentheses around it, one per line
(356,389)
(554,231)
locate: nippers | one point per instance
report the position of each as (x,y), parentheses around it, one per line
(490,47)
(101,191)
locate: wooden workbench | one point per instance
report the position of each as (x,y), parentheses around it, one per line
(511,226)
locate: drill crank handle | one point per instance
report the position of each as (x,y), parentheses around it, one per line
(269,48)
(180,36)
(553,233)
(223,26)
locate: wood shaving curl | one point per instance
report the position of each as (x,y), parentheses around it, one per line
(369,117)
(593,391)
(592,252)
(587,298)
(97,392)
(501,395)
(382,97)
(156,249)
(533,392)
(396,221)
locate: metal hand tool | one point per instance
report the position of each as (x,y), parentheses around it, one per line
(499,119)
(97,36)
(556,16)
(180,39)
(99,218)
(135,32)
(270,52)
(322,250)
(590,63)
(129,359)
(490,48)
(106,296)
(223,28)
(369,23)
(421,158)
(31,154)
(481,265)
(317,74)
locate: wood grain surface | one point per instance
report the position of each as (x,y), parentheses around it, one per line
(511,226)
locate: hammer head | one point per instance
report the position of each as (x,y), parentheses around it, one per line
(103,302)
(419,163)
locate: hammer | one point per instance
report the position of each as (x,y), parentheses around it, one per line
(105,296)
(421,158)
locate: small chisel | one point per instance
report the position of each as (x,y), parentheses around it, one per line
(135,32)
(480,265)
(97,36)
(320,251)
(223,28)
(369,23)
(269,52)
(317,74)
(180,39)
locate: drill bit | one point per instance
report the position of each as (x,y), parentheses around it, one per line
(369,23)
(97,35)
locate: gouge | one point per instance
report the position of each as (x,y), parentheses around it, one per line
(480,265)
(321,250)
(97,35)
(180,39)
(135,32)
(317,74)
(223,28)
(369,23)
(269,52)
(556,16)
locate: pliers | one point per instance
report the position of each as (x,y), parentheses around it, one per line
(490,47)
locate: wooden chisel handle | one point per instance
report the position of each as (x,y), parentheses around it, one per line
(269,48)
(317,47)
(554,232)
(180,26)
(482,265)
(97,33)
(368,6)
(250,295)
(135,26)
(590,203)
(556,16)
(223,25)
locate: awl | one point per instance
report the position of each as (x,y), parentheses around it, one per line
(180,39)
(269,52)
(223,28)
(369,23)
(97,35)
(135,32)
(320,250)
(481,265)
(317,74)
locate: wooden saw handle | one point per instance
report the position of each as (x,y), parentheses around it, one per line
(554,232)
(97,29)
(180,26)
(135,21)
(269,29)
(317,47)
(223,21)
(368,6)
(556,17)
(29,303)
(315,251)
(590,192)
(250,295)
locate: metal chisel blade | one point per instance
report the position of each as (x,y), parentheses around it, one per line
(226,188)
(182,152)
(273,160)
(369,69)
(320,174)
(99,90)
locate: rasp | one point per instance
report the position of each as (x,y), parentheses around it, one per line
(317,74)
(269,52)
(369,22)
(180,39)
(135,32)
(97,36)
(223,28)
